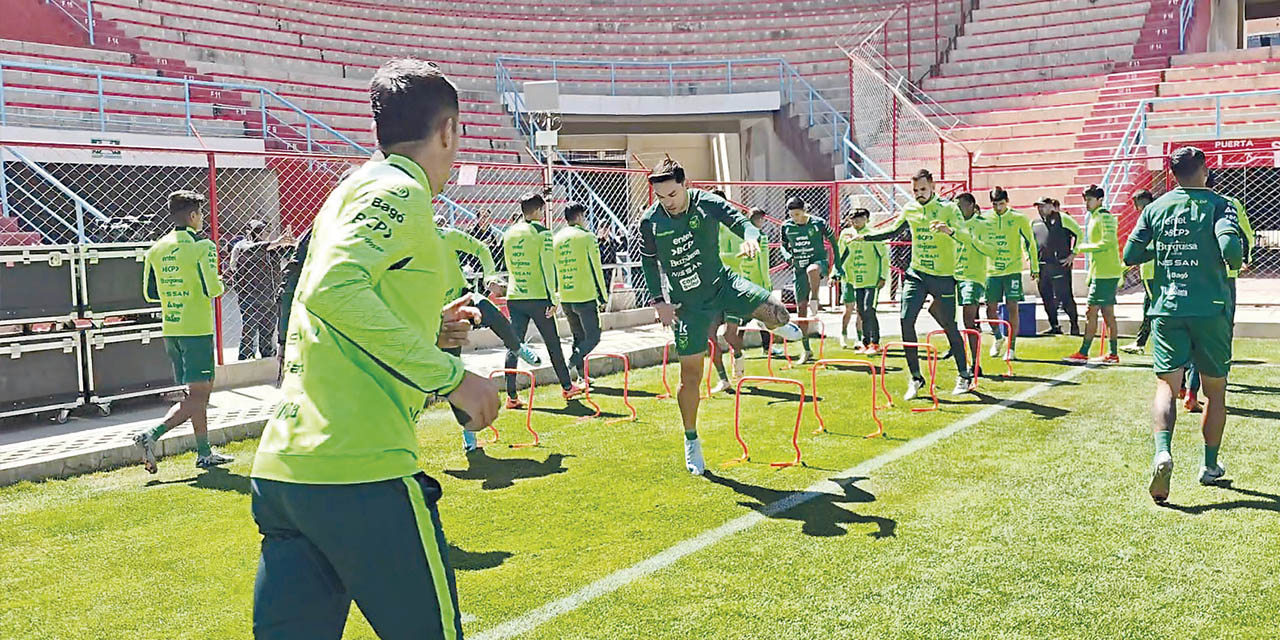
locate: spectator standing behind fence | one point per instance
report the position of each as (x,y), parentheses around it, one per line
(610,247)
(483,231)
(255,277)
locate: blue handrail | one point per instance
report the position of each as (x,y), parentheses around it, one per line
(1185,13)
(84,21)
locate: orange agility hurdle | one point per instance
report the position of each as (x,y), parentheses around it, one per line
(763,334)
(666,358)
(1008,331)
(737,420)
(528,415)
(974,357)
(626,384)
(933,372)
(822,339)
(871,368)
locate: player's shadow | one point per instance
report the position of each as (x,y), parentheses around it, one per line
(820,513)
(1248,362)
(996,377)
(574,408)
(1261,414)
(617,393)
(501,473)
(1042,411)
(1267,502)
(775,394)
(463,560)
(216,478)
(1252,389)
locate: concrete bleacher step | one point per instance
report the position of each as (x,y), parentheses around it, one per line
(19,238)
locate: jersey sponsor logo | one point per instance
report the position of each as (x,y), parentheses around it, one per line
(375,225)
(392,212)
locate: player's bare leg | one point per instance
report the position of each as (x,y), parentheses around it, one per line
(733,336)
(969,314)
(1211,427)
(689,397)
(1164,412)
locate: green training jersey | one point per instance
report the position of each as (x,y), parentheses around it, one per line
(687,246)
(757,269)
(1182,230)
(1246,233)
(1102,245)
(180,271)
(730,247)
(864,263)
(361,358)
(530,258)
(1009,232)
(804,242)
(1147,270)
(458,241)
(932,253)
(578,270)
(975,249)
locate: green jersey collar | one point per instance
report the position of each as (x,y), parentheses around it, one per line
(407,165)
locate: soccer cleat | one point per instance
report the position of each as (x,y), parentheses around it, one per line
(995,348)
(514,403)
(872,349)
(212,460)
(1134,348)
(1161,474)
(1212,476)
(804,357)
(1110,358)
(720,387)
(1182,393)
(1053,331)
(693,457)
(739,366)
(778,351)
(1009,356)
(1077,358)
(1193,403)
(844,343)
(529,356)
(469,441)
(913,389)
(790,332)
(144,440)
(963,385)
(573,391)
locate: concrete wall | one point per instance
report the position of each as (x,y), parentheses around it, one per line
(1226,27)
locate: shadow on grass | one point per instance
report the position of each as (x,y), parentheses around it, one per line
(776,394)
(462,560)
(1249,362)
(1042,411)
(995,377)
(1270,502)
(617,392)
(216,478)
(1252,389)
(501,473)
(1261,414)
(574,408)
(820,513)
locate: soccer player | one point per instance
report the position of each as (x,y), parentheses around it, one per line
(532,292)
(344,509)
(755,270)
(802,242)
(1009,232)
(865,266)
(581,282)
(1192,235)
(935,226)
(1056,238)
(1148,271)
(974,252)
(679,235)
(180,272)
(1102,246)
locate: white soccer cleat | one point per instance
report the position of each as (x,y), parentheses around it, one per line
(995,348)
(739,366)
(1212,476)
(1009,356)
(963,385)
(1161,474)
(913,389)
(804,357)
(844,344)
(790,332)
(720,387)
(693,457)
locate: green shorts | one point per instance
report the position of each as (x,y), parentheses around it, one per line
(736,298)
(1004,288)
(192,358)
(848,293)
(1204,341)
(1102,292)
(969,292)
(802,280)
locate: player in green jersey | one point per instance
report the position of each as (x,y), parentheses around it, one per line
(973,255)
(865,266)
(180,272)
(1147,271)
(1101,244)
(531,296)
(679,238)
(344,510)
(580,278)
(1009,232)
(935,228)
(729,256)
(802,245)
(1192,235)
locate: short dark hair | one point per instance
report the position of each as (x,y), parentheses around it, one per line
(410,99)
(1144,195)
(720,192)
(574,211)
(923,174)
(183,203)
(997,194)
(860,212)
(1186,161)
(1211,181)
(1094,191)
(796,202)
(967,197)
(531,201)
(758,213)
(666,170)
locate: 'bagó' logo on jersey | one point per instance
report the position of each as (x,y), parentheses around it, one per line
(379,203)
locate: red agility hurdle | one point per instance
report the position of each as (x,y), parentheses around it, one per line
(1008,345)
(737,420)
(528,414)
(822,339)
(763,334)
(666,359)
(626,385)
(871,368)
(975,356)
(933,372)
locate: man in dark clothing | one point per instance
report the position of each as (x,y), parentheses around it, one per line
(255,277)
(1056,237)
(610,247)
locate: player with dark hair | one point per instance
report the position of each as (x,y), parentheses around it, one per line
(679,237)
(180,272)
(1192,236)
(935,228)
(1147,271)
(802,245)
(580,279)
(865,266)
(1009,233)
(344,509)
(1102,245)
(974,252)
(1056,238)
